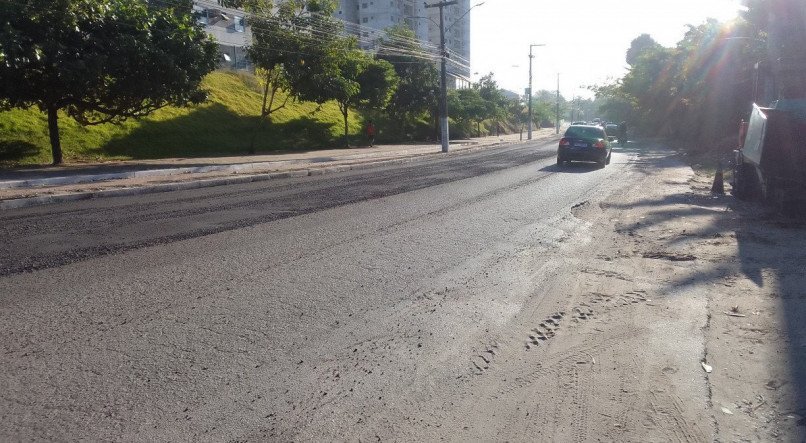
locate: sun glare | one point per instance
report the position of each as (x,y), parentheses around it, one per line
(725,9)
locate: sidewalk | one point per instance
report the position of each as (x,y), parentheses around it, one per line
(33,186)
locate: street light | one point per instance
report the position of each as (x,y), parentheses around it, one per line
(529,124)
(463,15)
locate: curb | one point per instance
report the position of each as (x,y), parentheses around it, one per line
(78,179)
(162,172)
(27,202)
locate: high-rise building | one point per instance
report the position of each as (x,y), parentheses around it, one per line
(368,19)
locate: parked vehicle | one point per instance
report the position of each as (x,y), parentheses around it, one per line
(584,143)
(771,162)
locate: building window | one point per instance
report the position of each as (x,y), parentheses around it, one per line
(200,14)
(364,5)
(239,25)
(364,20)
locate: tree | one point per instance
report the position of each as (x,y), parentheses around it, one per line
(280,41)
(474,107)
(352,78)
(419,79)
(698,90)
(100,60)
(518,110)
(494,101)
(640,45)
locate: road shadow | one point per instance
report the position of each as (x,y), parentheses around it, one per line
(770,252)
(572,168)
(631,146)
(692,199)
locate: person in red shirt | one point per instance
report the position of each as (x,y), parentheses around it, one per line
(371,133)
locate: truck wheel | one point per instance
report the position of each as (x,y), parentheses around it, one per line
(746,185)
(738,184)
(777,197)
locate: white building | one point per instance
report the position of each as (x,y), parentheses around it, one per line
(367,19)
(229,27)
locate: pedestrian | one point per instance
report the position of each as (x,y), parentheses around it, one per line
(371,133)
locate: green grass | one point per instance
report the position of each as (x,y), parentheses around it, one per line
(224,125)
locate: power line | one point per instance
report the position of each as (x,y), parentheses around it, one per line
(315,29)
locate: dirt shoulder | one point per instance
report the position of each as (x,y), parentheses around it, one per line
(705,283)
(756,339)
(663,314)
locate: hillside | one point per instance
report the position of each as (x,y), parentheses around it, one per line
(224,125)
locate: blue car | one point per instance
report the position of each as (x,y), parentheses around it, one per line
(584,143)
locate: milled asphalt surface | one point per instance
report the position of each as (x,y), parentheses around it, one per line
(54,235)
(33,186)
(306,308)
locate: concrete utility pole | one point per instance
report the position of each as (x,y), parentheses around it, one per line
(529,123)
(443,99)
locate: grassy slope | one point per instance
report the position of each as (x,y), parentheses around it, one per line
(222,126)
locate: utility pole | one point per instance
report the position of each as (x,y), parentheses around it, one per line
(557,124)
(529,123)
(443,99)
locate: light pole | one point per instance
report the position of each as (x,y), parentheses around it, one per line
(463,15)
(529,123)
(443,99)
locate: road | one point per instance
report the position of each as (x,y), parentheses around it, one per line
(479,296)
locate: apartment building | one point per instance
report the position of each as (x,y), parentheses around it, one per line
(367,19)
(229,27)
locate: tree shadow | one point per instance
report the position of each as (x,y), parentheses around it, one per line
(15,150)
(216,130)
(770,253)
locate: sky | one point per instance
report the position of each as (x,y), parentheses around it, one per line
(586,40)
